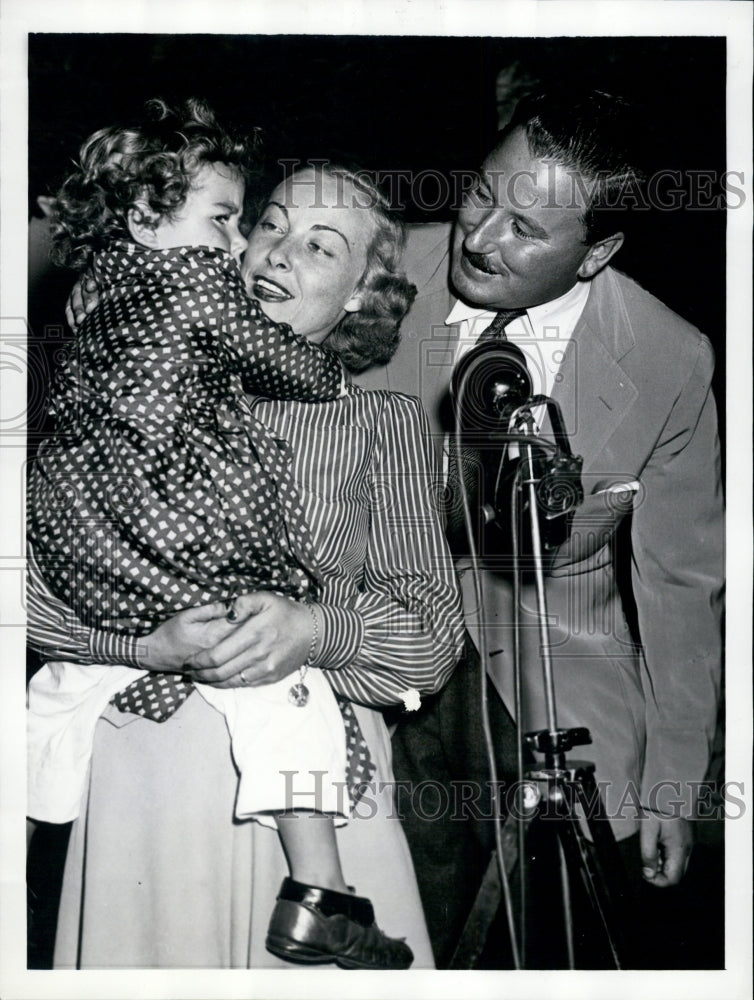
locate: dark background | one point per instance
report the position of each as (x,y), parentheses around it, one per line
(406,104)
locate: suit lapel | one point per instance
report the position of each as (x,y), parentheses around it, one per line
(594,391)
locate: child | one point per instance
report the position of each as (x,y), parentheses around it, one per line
(160,490)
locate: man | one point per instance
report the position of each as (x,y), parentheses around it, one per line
(538,233)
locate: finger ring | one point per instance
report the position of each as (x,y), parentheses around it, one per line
(243,678)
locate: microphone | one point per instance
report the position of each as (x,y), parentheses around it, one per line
(495,381)
(491,387)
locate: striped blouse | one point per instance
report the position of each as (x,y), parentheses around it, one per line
(390,607)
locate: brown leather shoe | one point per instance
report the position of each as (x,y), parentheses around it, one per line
(313,925)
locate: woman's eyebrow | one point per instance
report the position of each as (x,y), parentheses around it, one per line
(317,227)
(332,229)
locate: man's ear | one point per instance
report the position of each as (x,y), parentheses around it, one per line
(599,255)
(142,224)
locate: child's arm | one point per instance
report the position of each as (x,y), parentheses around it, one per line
(271,359)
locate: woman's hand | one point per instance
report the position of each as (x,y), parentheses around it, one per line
(82,300)
(171,644)
(272,640)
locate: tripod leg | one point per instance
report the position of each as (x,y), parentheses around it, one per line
(474,935)
(579,858)
(606,862)
(567,907)
(598,863)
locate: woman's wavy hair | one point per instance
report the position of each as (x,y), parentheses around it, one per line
(154,161)
(371,336)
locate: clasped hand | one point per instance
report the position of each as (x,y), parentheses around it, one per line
(666,843)
(269,639)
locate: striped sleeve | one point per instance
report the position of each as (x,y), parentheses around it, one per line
(54,631)
(404,629)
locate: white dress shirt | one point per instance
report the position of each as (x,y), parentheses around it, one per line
(542,332)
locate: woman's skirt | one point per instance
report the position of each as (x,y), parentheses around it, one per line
(159,874)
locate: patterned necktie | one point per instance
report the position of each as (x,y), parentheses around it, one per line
(470,460)
(496,329)
(158,696)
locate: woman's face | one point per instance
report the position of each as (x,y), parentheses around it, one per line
(308,252)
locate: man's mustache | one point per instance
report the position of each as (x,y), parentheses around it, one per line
(478,260)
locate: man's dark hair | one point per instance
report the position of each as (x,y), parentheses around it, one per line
(595,135)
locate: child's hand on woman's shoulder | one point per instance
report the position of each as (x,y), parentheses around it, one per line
(82,300)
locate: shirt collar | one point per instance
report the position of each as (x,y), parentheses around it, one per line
(572,302)
(575,298)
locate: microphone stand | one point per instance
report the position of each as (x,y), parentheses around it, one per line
(559,788)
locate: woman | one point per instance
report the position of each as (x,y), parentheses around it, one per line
(158,873)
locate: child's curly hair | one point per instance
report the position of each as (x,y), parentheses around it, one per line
(153,161)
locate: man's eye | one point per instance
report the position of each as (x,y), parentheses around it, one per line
(222,219)
(479,193)
(519,232)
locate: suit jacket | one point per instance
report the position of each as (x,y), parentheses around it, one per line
(634,388)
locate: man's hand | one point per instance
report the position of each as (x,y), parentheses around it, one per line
(271,641)
(666,844)
(82,300)
(184,635)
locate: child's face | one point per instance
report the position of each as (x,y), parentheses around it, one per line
(210,215)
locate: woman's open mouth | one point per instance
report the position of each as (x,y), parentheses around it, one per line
(269,291)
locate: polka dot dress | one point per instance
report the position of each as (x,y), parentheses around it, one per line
(160,489)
